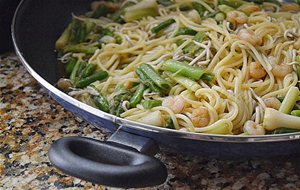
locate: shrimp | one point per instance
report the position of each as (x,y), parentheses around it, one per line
(249,8)
(257,71)
(253,128)
(175,103)
(237,17)
(272,103)
(290,7)
(250,36)
(281,71)
(200,117)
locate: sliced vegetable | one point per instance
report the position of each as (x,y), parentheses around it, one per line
(77,69)
(285,130)
(101,102)
(78,31)
(140,10)
(162,26)
(137,96)
(183,69)
(185,31)
(192,48)
(89,80)
(290,100)
(184,81)
(155,77)
(89,69)
(149,104)
(80,48)
(118,15)
(63,39)
(296,113)
(147,81)
(274,119)
(169,123)
(116,104)
(70,65)
(81,68)
(208,77)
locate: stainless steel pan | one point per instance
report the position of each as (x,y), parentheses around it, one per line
(124,160)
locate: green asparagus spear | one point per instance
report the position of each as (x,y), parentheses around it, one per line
(155,77)
(70,65)
(88,80)
(148,104)
(78,31)
(80,48)
(101,103)
(147,81)
(184,81)
(192,48)
(137,96)
(208,77)
(76,70)
(185,31)
(116,105)
(89,69)
(162,26)
(183,69)
(82,66)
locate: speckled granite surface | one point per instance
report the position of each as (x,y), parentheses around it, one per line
(30,121)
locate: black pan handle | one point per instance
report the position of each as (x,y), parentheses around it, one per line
(107,163)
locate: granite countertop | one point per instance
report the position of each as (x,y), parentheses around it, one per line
(30,121)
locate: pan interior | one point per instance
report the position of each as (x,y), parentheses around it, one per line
(39,27)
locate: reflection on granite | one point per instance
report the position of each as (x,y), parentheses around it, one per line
(30,121)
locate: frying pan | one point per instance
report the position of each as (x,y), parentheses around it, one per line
(125,159)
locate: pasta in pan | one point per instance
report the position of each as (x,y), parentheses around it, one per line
(218,67)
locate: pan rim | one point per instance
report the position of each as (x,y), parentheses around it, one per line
(135,125)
